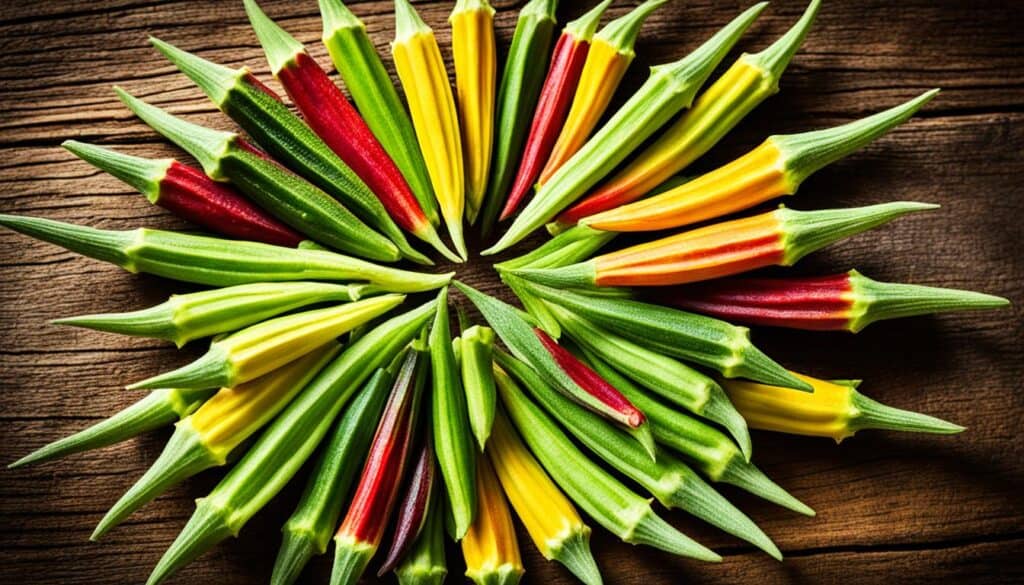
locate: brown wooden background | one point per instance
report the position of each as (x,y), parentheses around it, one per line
(898,507)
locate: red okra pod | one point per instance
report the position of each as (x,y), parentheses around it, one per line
(555,98)
(188,193)
(415,506)
(840,302)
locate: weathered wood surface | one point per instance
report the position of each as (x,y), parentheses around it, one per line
(890,507)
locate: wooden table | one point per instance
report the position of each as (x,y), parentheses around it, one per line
(893,507)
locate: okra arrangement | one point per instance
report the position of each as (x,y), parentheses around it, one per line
(626,384)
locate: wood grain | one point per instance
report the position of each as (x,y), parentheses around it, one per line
(909,508)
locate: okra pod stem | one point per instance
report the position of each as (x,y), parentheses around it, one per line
(841,302)
(183,318)
(775,168)
(371,89)
(156,409)
(363,527)
(476,345)
(669,89)
(555,99)
(835,409)
(752,79)
(453,440)
(670,480)
(521,82)
(205,438)
(186,192)
(490,547)
(425,563)
(610,503)
(310,527)
(214,261)
(555,527)
(425,82)
(415,505)
(281,450)
(264,347)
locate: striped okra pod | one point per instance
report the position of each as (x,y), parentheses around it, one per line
(669,89)
(283,134)
(282,449)
(264,347)
(752,79)
(555,98)
(670,480)
(621,511)
(156,409)
(555,527)
(713,453)
(208,436)
(188,193)
(183,318)
(609,56)
(841,302)
(337,123)
(521,82)
(310,527)
(776,238)
(775,168)
(835,409)
(215,261)
(371,89)
(425,82)
(490,546)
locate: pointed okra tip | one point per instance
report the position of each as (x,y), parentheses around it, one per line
(622,32)
(143,174)
(280,47)
(875,415)
(215,80)
(581,274)
(774,60)
(583,28)
(408,22)
(574,553)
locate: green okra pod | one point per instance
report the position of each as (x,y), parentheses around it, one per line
(264,347)
(453,441)
(286,444)
(568,247)
(215,261)
(670,480)
(310,527)
(183,318)
(476,345)
(714,454)
(156,409)
(283,134)
(621,511)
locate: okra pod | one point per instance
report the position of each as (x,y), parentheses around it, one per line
(283,134)
(611,504)
(474,53)
(425,564)
(453,440)
(775,168)
(710,450)
(752,79)
(520,87)
(476,345)
(215,261)
(300,204)
(281,450)
(835,409)
(363,527)
(669,378)
(337,123)
(555,98)
(414,508)
(841,302)
(490,547)
(529,345)
(310,527)
(670,480)
(555,527)
(611,52)
(183,318)
(708,342)
(186,192)
(156,409)
(425,82)
(568,247)
(670,88)
(205,438)
(258,349)
(371,89)
(776,238)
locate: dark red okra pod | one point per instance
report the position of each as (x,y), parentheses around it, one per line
(412,512)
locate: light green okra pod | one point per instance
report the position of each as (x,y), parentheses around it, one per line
(476,345)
